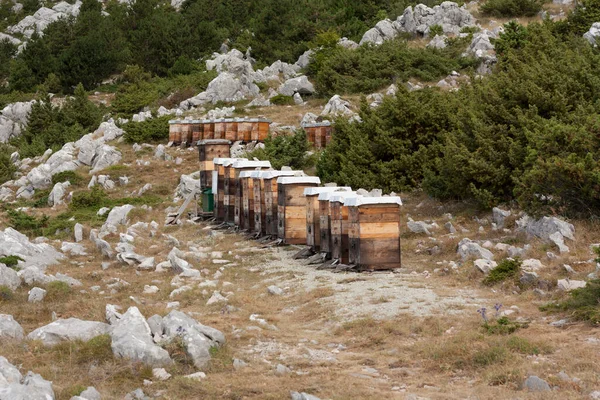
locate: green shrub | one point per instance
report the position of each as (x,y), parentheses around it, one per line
(11,261)
(152,130)
(583,304)
(282,100)
(506,269)
(40,198)
(71,176)
(6,294)
(7,169)
(26,223)
(58,291)
(285,150)
(501,326)
(88,198)
(511,8)
(435,30)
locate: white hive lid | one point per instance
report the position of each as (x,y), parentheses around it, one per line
(360,201)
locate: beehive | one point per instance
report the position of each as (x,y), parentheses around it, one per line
(258,185)
(318,133)
(270,193)
(208,150)
(325,242)
(238,168)
(339,226)
(231,129)
(244,130)
(374,232)
(263,129)
(186,133)
(313,233)
(174,132)
(208,129)
(291,210)
(218,186)
(197,129)
(220,126)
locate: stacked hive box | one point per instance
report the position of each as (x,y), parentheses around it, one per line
(270,195)
(238,168)
(313,223)
(339,225)
(208,150)
(291,210)
(187,132)
(374,232)
(325,220)
(318,133)
(218,186)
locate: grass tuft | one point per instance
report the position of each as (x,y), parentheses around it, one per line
(507,269)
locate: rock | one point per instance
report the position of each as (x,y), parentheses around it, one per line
(14,387)
(14,116)
(260,101)
(36,295)
(484,265)
(531,264)
(347,43)
(336,106)
(528,278)
(448,15)
(78,232)
(569,284)
(217,297)
(535,384)
(103,211)
(109,131)
(67,330)
(147,264)
(57,194)
(595,395)
(298,99)
(593,33)
(43,17)
(274,290)
(481,45)
(25,192)
(137,394)
(304,59)
(469,249)
(105,157)
(438,42)
(545,227)
(74,249)
(197,338)
(300,85)
(131,339)
(160,152)
(144,189)
(160,374)
(123,180)
(88,394)
(9,277)
(498,216)
(450,227)
(239,364)
(282,370)
(558,239)
(9,329)
(33,275)
(88,146)
(419,227)
(303,396)
(197,376)
(117,216)
(188,183)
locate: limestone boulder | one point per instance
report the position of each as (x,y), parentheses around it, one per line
(69,329)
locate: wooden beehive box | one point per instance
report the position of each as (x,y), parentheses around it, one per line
(220,126)
(197,129)
(270,193)
(174,131)
(263,129)
(325,242)
(313,223)
(238,168)
(218,187)
(244,130)
(231,129)
(339,226)
(258,187)
(291,210)
(208,150)
(208,129)
(186,133)
(374,232)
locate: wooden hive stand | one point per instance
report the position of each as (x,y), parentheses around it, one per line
(238,168)
(291,210)
(270,193)
(374,232)
(208,150)
(313,221)
(218,186)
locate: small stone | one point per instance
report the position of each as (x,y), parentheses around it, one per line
(36,295)
(282,370)
(197,376)
(535,384)
(450,228)
(217,297)
(239,364)
(161,374)
(484,265)
(274,290)
(569,284)
(150,289)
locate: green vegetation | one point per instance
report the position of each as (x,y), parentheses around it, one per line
(286,151)
(96,349)
(501,326)
(57,291)
(336,69)
(282,100)
(11,261)
(152,130)
(71,176)
(6,294)
(507,269)
(7,169)
(88,198)
(583,304)
(527,132)
(511,8)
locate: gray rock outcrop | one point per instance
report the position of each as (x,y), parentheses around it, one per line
(9,277)
(300,85)
(469,249)
(13,118)
(10,329)
(15,243)
(593,33)
(69,329)
(13,386)
(43,17)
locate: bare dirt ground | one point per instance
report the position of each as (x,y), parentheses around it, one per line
(407,334)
